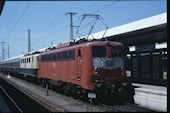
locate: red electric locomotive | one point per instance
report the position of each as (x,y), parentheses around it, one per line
(95,66)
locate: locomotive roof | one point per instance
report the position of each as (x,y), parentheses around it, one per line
(66,46)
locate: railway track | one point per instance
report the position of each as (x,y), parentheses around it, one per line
(17,101)
(7,103)
(124,107)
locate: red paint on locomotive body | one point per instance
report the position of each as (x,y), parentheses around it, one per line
(85,65)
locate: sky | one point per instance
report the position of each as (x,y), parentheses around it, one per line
(50,25)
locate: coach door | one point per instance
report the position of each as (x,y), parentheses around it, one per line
(79,63)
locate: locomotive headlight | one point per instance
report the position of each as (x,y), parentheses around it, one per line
(96,69)
(97,74)
(123,71)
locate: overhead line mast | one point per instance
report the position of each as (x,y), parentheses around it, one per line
(71,24)
(29,41)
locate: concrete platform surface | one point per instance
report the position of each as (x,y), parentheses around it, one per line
(150,96)
(151,87)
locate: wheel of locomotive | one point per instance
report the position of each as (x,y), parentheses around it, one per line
(43,82)
(66,89)
(84,95)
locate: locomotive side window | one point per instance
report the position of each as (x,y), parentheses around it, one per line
(45,58)
(42,58)
(59,56)
(71,55)
(99,51)
(116,52)
(54,57)
(65,55)
(49,57)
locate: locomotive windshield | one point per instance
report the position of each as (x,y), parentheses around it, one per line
(100,59)
(116,52)
(99,51)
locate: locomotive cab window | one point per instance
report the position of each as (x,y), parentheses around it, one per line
(99,51)
(116,52)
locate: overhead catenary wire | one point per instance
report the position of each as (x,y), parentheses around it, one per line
(53,25)
(13,13)
(9,23)
(53,22)
(110,4)
(57,17)
(17,20)
(98,10)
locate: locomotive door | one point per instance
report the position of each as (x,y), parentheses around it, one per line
(79,63)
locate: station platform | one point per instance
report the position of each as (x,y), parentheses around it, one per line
(151,96)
